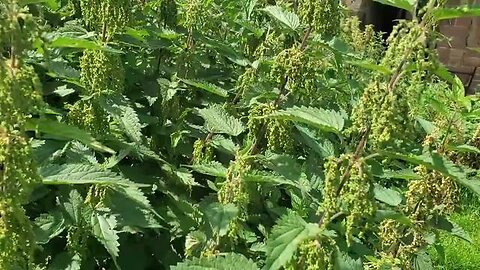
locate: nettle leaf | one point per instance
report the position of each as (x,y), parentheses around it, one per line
(48,226)
(77,174)
(80,43)
(457,12)
(287,234)
(286,18)
(217,120)
(120,110)
(423,261)
(213,168)
(63,131)
(345,262)
(464,148)
(132,207)
(66,261)
(325,120)
(209,87)
(267,178)
(452,228)
(408,5)
(103,228)
(73,207)
(325,149)
(285,165)
(219,216)
(436,162)
(229,261)
(388,196)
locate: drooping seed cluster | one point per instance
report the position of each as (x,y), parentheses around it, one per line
(348,188)
(323,16)
(19,97)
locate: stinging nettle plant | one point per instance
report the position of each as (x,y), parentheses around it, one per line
(266,135)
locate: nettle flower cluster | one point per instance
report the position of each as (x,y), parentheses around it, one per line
(102,72)
(19,97)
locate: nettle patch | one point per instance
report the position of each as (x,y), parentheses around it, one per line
(266,134)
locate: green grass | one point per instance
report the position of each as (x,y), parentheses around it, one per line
(460,254)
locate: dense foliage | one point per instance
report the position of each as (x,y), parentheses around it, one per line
(228,134)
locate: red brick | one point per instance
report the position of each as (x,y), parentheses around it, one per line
(456,57)
(463,22)
(471,61)
(461,69)
(443,54)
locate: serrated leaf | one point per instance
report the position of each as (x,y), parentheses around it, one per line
(388,196)
(217,120)
(63,131)
(319,118)
(266,177)
(132,206)
(209,87)
(464,148)
(76,174)
(213,168)
(390,214)
(285,18)
(120,110)
(423,261)
(229,261)
(219,217)
(325,149)
(452,228)
(73,207)
(80,43)
(285,165)
(457,12)
(442,165)
(287,234)
(223,144)
(428,126)
(345,262)
(48,226)
(66,261)
(103,228)
(408,5)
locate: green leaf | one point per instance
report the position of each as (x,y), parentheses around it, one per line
(48,226)
(442,165)
(78,174)
(285,18)
(345,262)
(452,228)
(66,261)
(73,207)
(103,228)
(217,120)
(266,177)
(428,126)
(371,66)
(390,214)
(325,149)
(229,261)
(457,12)
(219,217)
(464,148)
(285,165)
(423,261)
(124,115)
(132,207)
(388,196)
(408,5)
(287,234)
(211,88)
(319,118)
(80,43)
(213,168)
(63,131)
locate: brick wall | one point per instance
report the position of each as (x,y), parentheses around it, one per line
(455,52)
